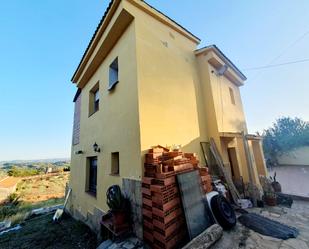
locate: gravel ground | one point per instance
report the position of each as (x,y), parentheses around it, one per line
(242,237)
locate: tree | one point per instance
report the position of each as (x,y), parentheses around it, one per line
(285,135)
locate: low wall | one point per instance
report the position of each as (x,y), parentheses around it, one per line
(299,156)
(293,179)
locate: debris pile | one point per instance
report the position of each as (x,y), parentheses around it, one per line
(164,220)
(163,217)
(206,180)
(161,163)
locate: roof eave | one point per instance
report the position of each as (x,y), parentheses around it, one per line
(111,9)
(223,57)
(113,5)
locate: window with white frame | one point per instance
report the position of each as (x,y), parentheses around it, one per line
(113,74)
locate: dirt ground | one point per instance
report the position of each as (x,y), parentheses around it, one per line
(243,238)
(40,232)
(43,188)
(8,182)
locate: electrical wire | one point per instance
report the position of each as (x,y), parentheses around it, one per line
(270,64)
(275,65)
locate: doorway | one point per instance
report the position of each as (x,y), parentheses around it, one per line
(233,162)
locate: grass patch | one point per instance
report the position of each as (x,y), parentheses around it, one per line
(18,212)
(40,232)
(31,194)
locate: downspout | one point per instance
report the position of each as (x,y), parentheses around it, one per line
(250,167)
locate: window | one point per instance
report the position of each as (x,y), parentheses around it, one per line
(232,96)
(115,163)
(92,163)
(113,74)
(76,123)
(94,99)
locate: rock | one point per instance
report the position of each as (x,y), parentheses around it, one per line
(275,215)
(114,246)
(135,241)
(128,245)
(296,244)
(105,244)
(264,237)
(206,238)
(265,213)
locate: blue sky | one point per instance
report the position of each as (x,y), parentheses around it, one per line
(42,42)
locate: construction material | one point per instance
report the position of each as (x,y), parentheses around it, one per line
(284,200)
(44,210)
(113,231)
(197,218)
(164,223)
(17,227)
(161,163)
(163,218)
(267,226)
(59,212)
(252,188)
(204,146)
(225,173)
(5,225)
(244,203)
(206,239)
(205,179)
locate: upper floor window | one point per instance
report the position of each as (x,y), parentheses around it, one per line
(77,110)
(94,99)
(113,74)
(232,96)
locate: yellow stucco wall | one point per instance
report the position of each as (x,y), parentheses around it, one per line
(230,117)
(166,95)
(258,153)
(221,114)
(170,109)
(115,127)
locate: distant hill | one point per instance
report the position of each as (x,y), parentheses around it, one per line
(53,160)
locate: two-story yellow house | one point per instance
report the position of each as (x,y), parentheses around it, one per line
(143,82)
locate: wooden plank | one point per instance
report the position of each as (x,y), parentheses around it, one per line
(227,176)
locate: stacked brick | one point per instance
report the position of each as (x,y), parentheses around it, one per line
(162,163)
(164,223)
(205,180)
(164,220)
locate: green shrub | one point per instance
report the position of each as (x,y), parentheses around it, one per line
(21,172)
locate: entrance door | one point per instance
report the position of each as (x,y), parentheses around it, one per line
(233,162)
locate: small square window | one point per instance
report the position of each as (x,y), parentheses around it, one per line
(94,99)
(113,74)
(232,96)
(115,163)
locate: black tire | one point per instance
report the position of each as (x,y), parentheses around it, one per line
(223,212)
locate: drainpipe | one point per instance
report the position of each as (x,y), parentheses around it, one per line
(250,167)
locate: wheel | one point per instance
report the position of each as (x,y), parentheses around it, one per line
(223,212)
